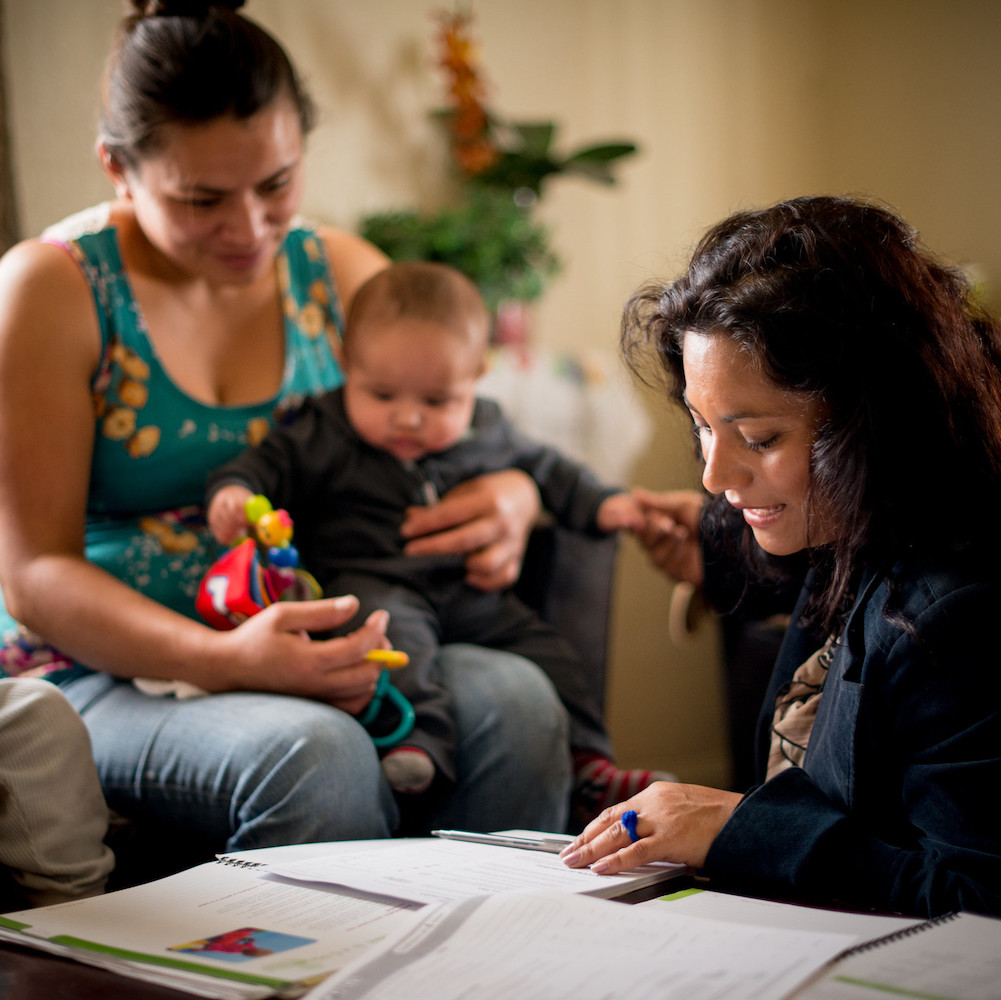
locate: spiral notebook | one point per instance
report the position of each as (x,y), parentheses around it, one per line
(953,957)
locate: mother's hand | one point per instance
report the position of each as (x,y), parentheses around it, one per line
(272,652)
(487,519)
(674,822)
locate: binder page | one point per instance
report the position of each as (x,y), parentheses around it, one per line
(539,945)
(955,959)
(227,922)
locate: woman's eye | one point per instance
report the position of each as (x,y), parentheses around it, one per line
(762,445)
(276,186)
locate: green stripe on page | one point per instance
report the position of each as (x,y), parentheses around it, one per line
(170,963)
(896,991)
(680,894)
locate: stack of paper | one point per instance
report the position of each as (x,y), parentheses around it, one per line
(441,919)
(234,928)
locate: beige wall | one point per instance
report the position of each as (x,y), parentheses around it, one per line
(734,102)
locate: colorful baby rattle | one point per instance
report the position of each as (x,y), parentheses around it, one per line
(256,571)
(264,568)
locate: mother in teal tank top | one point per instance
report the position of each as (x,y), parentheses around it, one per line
(165,330)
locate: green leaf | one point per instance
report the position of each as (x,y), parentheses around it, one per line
(516,170)
(596,162)
(604,153)
(534,138)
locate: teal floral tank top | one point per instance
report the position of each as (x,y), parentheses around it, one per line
(154,444)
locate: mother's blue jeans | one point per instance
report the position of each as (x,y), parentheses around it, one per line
(245,770)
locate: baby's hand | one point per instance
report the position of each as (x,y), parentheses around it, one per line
(227,513)
(621,512)
(671,532)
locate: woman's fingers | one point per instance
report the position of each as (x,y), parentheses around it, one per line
(487,519)
(673,822)
(605,845)
(315,616)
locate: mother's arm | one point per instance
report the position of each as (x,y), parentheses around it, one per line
(49,348)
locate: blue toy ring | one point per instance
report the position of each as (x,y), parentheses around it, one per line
(385,690)
(629,824)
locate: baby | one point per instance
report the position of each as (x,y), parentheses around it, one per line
(405,429)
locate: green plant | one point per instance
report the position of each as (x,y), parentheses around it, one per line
(486,236)
(489,232)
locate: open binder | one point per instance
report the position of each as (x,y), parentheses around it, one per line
(956,956)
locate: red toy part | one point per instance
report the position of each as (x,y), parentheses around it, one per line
(227,595)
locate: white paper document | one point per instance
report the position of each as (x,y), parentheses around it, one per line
(436,871)
(541,945)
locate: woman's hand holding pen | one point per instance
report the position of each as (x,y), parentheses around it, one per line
(674,822)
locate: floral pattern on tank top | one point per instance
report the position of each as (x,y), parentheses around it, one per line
(154,444)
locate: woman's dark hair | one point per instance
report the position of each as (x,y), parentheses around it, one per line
(185,62)
(837,299)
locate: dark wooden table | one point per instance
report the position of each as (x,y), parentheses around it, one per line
(33,975)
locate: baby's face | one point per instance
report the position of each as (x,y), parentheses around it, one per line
(410,387)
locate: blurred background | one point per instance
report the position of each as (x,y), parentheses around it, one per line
(731,103)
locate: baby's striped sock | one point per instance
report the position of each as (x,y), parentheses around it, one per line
(598,783)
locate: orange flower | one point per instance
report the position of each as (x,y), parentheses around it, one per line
(475,157)
(469,124)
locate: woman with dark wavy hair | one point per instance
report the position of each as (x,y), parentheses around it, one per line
(845,393)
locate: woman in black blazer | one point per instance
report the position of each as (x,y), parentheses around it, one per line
(845,393)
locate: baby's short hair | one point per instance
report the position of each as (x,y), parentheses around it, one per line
(425,290)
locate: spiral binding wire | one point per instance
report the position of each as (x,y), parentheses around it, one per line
(904,932)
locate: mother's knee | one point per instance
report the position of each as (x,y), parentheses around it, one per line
(310,740)
(310,774)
